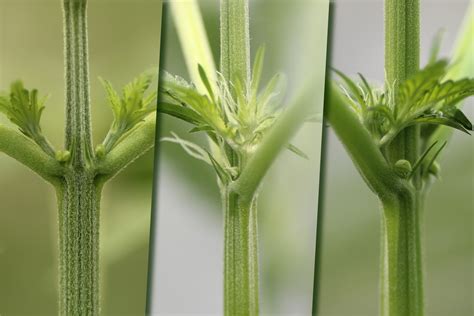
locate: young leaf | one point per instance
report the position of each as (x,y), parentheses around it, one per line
(129,109)
(257,70)
(180,112)
(417,86)
(23,109)
(370,93)
(205,81)
(442,120)
(353,89)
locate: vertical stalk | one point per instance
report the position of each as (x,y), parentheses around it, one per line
(402,278)
(79,203)
(240,212)
(78,123)
(78,193)
(240,256)
(401,254)
(235,42)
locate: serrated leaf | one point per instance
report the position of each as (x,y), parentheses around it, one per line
(462,119)
(23,108)
(178,91)
(129,109)
(449,92)
(297,151)
(439,120)
(414,88)
(113,97)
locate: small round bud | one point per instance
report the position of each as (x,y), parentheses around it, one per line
(63,155)
(435,169)
(403,168)
(100,151)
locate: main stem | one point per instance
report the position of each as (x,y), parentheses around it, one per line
(401,275)
(79,203)
(240,212)
(78,190)
(240,256)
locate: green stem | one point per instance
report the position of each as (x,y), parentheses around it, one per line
(79,204)
(235,40)
(129,149)
(26,151)
(402,281)
(401,274)
(273,143)
(79,191)
(360,145)
(240,256)
(78,123)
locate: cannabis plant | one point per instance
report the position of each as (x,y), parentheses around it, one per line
(79,171)
(394,136)
(246,125)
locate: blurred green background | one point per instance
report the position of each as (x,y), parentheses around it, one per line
(188,276)
(351,227)
(124,41)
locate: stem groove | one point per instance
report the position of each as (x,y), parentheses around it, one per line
(240,256)
(79,203)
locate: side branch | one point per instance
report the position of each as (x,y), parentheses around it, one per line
(24,150)
(365,154)
(276,141)
(132,147)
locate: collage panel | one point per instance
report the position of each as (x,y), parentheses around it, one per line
(49,186)
(240,104)
(377,258)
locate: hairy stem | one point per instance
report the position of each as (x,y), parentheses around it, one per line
(26,151)
(273,143)
(360,145)
(131,148)
(78,122)
(79,193)
(241,256)
(402,280)
(401,273)
(79,203)
(235,41)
